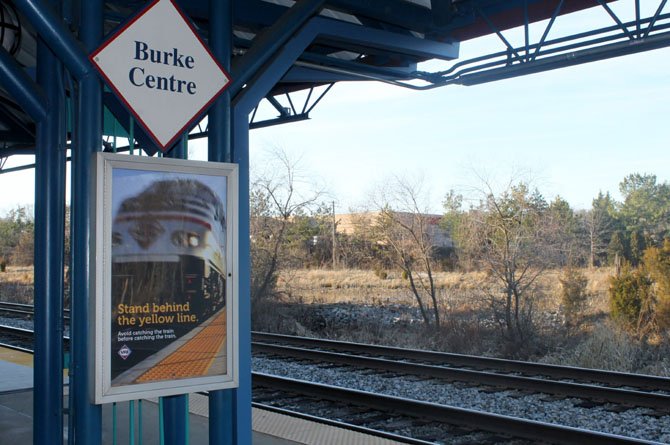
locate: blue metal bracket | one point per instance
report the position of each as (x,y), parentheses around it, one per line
(270,41)
(57,36)
(288,112)
(25,91)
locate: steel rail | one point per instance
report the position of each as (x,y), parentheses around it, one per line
(495,423)
(20,334)
(578,390)
(25,309)
(17,308)
(16,348)
(10,304)
(613,378)
(26,334)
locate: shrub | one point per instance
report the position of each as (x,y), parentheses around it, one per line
(630,292)
(607,347)
(381,273)
(573,292)
(657,266)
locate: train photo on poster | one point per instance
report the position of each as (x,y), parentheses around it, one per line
(168,266)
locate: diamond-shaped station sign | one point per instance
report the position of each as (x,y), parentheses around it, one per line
(161,69)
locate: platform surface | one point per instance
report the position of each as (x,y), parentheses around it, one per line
(16,417)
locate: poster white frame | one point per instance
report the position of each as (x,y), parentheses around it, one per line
(100,318)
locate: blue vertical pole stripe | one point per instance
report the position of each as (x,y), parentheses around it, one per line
(139,421)
(49,261)
(114,423)
(131,422)
(161,426)
(222,408)
(175,406)
(87,417)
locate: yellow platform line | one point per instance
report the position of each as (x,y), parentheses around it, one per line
(194,358)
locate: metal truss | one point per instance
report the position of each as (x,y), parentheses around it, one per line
(284,104)
(621,38)
(642,33)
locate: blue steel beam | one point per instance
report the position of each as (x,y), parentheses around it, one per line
(320,28)
(55,33)
(270,41)
(365,37)
(49,261)
(265,79)
(299,74)
(17,131)
(400,13)
(256,14)
(238,405)
(18,83)
(260,82)
(465,24)
(86,418)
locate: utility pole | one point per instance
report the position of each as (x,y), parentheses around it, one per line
(334,238)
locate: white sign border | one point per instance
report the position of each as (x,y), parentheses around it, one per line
(191,122)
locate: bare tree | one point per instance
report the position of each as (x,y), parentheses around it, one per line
(280,193)
(511,237)
(409,231)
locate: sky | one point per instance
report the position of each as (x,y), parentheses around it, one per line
(571,132)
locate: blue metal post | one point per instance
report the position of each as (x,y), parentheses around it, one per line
(174,407)
(222,404)
(174,420)
(49,261)
(87,418)
(234,407)
(240,152)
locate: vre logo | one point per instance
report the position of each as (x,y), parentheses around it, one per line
(124,352)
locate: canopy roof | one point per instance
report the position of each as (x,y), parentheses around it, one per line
(381,40)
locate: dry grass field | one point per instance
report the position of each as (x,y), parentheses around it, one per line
(359,305)
(16,284)
(341,304)
(456,290)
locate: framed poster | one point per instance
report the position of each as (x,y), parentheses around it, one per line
(164,277)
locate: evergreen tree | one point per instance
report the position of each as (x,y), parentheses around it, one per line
(637,247)
(646,206)
(617,250)
(600,223)
(657,265)
(566,227)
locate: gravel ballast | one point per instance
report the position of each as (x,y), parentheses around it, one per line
(638,423)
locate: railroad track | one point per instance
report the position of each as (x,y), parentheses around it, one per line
(463,362)
(16,338)
(599,394)
(445,424)
(424,421)
(325,359)
(23,311)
